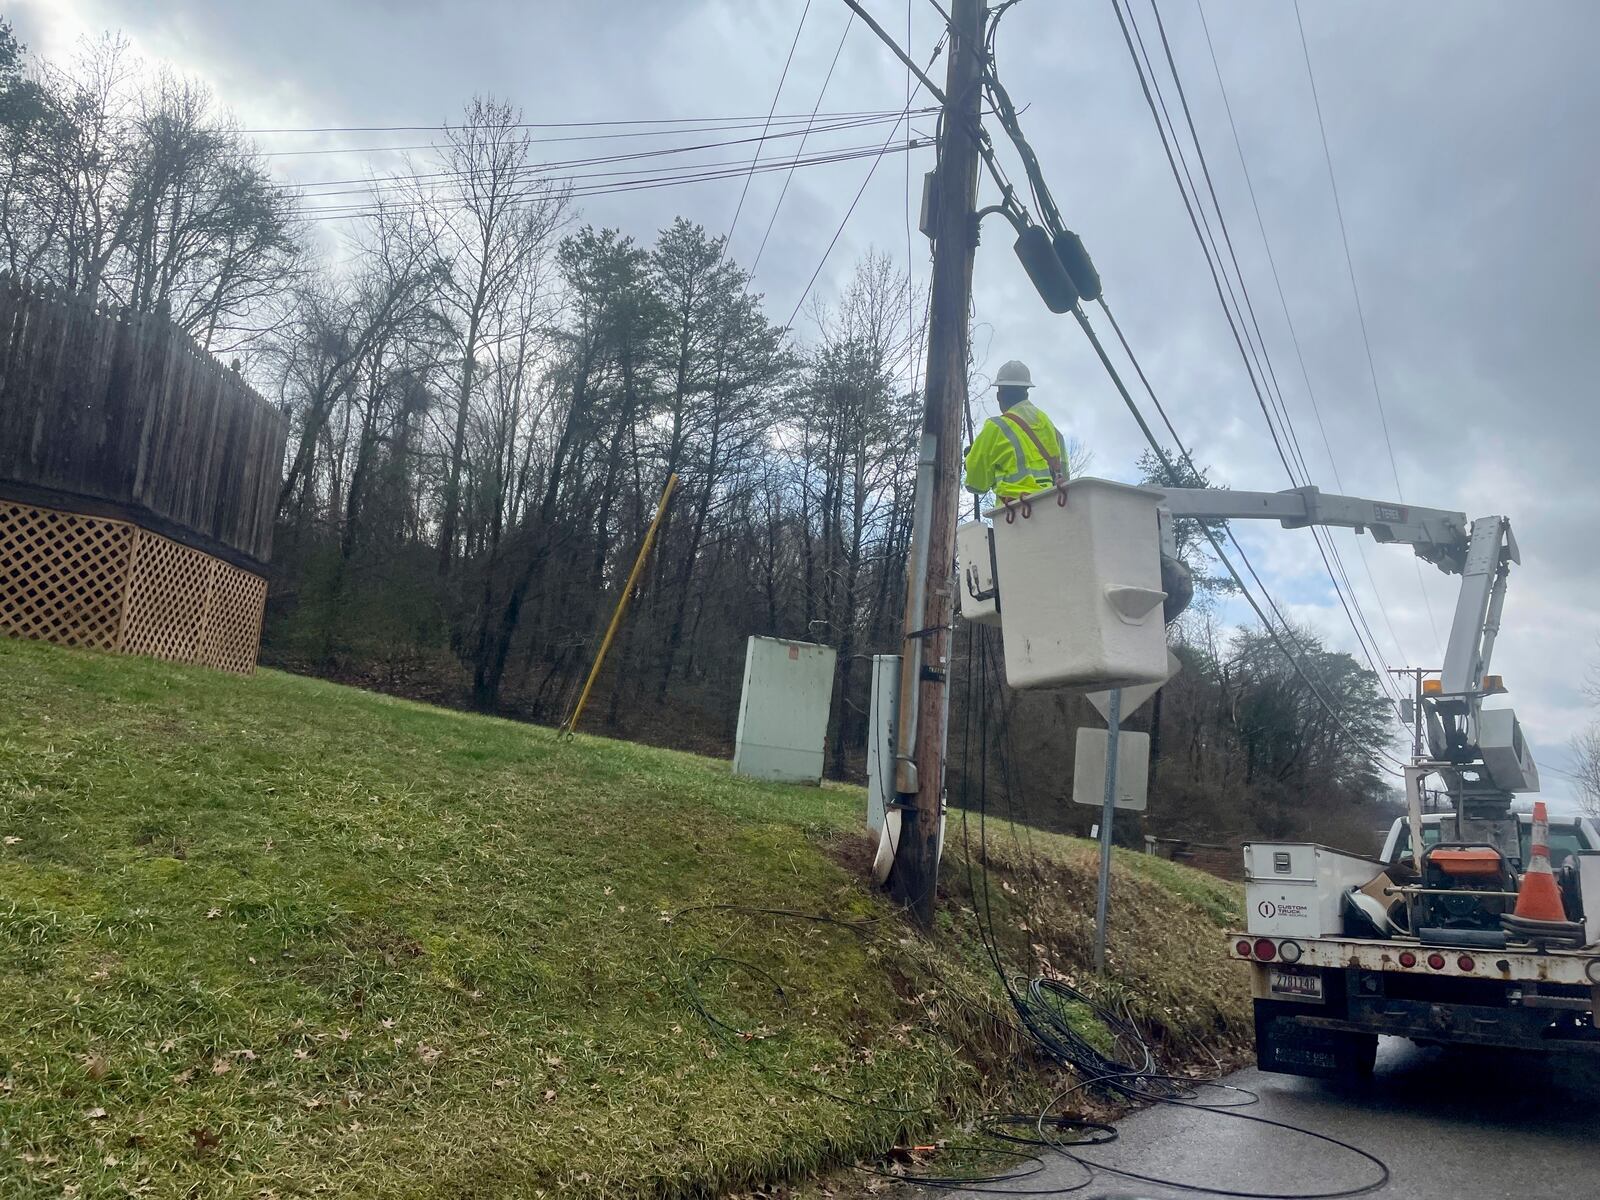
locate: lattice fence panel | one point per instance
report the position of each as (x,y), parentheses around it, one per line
(231,634)
(167,598)
(109,585)
(62,576)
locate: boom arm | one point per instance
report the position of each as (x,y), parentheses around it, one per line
(1437,536)
(1480,552)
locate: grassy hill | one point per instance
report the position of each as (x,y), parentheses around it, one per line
(272,937)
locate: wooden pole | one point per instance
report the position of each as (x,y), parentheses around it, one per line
(570,725)
(920,741)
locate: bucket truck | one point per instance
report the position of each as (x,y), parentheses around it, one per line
(1425,942)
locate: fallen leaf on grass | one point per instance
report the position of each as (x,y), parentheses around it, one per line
(12,840)
(96,1114)
(220,1066)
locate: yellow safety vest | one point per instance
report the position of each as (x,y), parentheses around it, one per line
(1004,460)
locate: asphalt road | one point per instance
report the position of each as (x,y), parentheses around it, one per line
(1450,1125)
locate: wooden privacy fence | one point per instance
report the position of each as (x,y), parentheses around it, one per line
(125,411)
(138,484)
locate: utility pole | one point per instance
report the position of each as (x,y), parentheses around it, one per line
(1415,674)
(920,739)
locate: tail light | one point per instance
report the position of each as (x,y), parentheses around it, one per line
(1290,952)
(1593,970)
(1243,948)
(1266,949)
(1407,959)
(1466,963)
(1436,961)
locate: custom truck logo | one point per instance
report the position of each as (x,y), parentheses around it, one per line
(1269,910)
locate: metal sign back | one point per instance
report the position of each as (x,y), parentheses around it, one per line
(1133,769)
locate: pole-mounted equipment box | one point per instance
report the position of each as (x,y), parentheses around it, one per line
(977,592)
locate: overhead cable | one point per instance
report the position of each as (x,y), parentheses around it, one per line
(1294,336)
(1355,291)
(1200,222)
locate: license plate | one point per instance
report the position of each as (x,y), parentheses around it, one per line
(1294,985)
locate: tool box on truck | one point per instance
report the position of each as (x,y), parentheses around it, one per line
(1296,889)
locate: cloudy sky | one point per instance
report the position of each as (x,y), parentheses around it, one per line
(1462,139)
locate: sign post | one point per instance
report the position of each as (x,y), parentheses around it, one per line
(1108,814)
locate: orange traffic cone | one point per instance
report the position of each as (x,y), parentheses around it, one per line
(1538,898)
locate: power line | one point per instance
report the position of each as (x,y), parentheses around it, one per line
(756,117)
(1269,379)
(776,94)
(1200,222)
(422,192)
(1294,336)
(1355,290)
(789,178)
(1008,116)
(732,124)
(845,220)
(353,211)
(537,168)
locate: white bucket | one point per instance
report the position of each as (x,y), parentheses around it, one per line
(1079,571)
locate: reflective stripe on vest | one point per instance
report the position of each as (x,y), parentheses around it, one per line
(1019,456)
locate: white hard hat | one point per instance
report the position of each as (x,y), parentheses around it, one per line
(1014,374)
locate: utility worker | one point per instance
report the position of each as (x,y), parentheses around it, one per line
(1019,452)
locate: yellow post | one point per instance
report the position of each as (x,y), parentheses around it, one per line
(570,725)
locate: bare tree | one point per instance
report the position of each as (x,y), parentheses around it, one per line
(330,325)
(493,216)
(1586,759)
(130,184)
